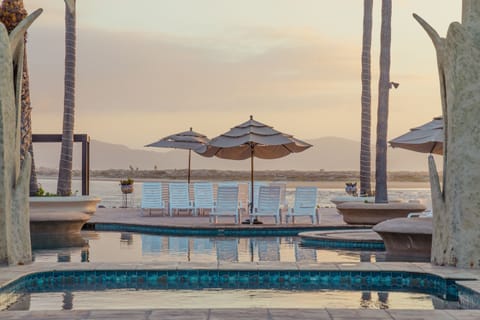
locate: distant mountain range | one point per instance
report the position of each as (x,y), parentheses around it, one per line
(327,153)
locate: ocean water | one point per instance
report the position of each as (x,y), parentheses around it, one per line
(112,197)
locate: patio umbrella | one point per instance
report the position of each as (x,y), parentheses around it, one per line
(188,140)
(427,138)
(253,139)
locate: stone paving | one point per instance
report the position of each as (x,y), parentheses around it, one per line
(329,218)
(245,314)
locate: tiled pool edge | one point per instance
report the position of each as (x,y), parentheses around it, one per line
(356,276)
(335,240)
(469,294)
(343,244)
(214,230)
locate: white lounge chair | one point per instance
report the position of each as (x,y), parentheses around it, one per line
(424,214)
(305,204)
(243,193)
(152,197)
(268,203)
(256,190)
(227,204)
(179,197)
(283,194)
(203,197)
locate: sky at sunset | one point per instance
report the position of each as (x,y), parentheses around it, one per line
(147,69)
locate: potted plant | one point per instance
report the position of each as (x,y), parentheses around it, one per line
(126,185)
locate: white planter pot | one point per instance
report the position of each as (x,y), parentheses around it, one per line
(61,214)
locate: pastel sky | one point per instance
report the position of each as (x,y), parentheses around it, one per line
(147,69)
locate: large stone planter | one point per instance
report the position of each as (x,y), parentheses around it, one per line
(341,199)
(60,215)
(373,213)
(407,237)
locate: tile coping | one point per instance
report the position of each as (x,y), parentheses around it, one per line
(464,277)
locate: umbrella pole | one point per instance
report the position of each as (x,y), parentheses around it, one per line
(251,181)
(189,161)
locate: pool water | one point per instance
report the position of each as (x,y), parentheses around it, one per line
(222,298)
(185,289)
(93,246)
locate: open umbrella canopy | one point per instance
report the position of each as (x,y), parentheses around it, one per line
(253,139)
(188,140)
(427,138)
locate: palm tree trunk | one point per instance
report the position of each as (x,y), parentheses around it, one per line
(26,133)
(381,195)
(64,187)
(34,186)
(365,152)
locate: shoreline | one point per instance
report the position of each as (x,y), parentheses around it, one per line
(291,184)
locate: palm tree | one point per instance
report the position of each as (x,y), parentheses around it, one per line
(11,13)
(64,187)
(381,195)
(365,154)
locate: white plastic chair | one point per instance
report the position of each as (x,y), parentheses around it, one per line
(305,204)
(227,203)
(152,197)
(179,197)
(268,203)
(203,197)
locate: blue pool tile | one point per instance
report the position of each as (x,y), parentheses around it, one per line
(238,279)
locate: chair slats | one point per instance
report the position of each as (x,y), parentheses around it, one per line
(152,196)
(227,203)
(179,197)
(268,203)
(203,196)
(256,190)
(305,204)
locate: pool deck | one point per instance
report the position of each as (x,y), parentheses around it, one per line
(245,314)
(329,219)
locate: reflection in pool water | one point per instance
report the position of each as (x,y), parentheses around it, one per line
(212,298)
(131,247)
(117,247)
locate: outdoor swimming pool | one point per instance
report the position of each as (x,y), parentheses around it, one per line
(243,288)
(260,274)
(216,298)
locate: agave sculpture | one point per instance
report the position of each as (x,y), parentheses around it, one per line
(456,204)
(15,247)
